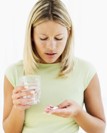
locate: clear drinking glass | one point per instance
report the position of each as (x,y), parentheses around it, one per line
(32,83)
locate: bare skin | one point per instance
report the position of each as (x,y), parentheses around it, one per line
(14,107)
(92,121)
(50,43)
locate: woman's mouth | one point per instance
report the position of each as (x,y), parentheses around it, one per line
(50,54)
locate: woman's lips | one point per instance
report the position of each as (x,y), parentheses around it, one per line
(50,54)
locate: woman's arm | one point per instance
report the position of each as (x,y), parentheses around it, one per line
(14,111)
(12,118)
(92,121)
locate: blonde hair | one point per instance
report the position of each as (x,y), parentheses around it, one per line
(42,11)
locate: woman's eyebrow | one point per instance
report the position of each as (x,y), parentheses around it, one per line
(55,35)
(43,34)
(59,34)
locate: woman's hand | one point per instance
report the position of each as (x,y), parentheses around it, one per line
(66,109)
(21,98)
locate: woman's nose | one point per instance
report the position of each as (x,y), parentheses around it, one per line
(51,44)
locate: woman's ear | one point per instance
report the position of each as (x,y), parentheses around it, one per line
(69,32)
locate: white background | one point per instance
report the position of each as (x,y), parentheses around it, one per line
(90,26)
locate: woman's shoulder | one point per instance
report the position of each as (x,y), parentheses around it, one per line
(18,63)
(83,64)
(15,66)
(85,70)
(13,71)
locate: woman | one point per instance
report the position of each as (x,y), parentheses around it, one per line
(67,82)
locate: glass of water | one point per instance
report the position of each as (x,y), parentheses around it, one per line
(32,83)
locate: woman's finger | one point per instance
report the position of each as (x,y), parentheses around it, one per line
(23,94)
(22,101)
(18,89)
(60,112)
(65,104)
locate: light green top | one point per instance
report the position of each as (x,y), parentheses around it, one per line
(54,91)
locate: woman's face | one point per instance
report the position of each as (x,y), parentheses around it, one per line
(50,40)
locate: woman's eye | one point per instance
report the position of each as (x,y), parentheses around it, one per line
(43,39)
(58,39)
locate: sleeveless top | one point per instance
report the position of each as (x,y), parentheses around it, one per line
(53,92)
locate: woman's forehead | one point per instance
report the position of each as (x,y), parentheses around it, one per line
(50,26)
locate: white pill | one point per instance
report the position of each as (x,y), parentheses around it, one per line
(55,107)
